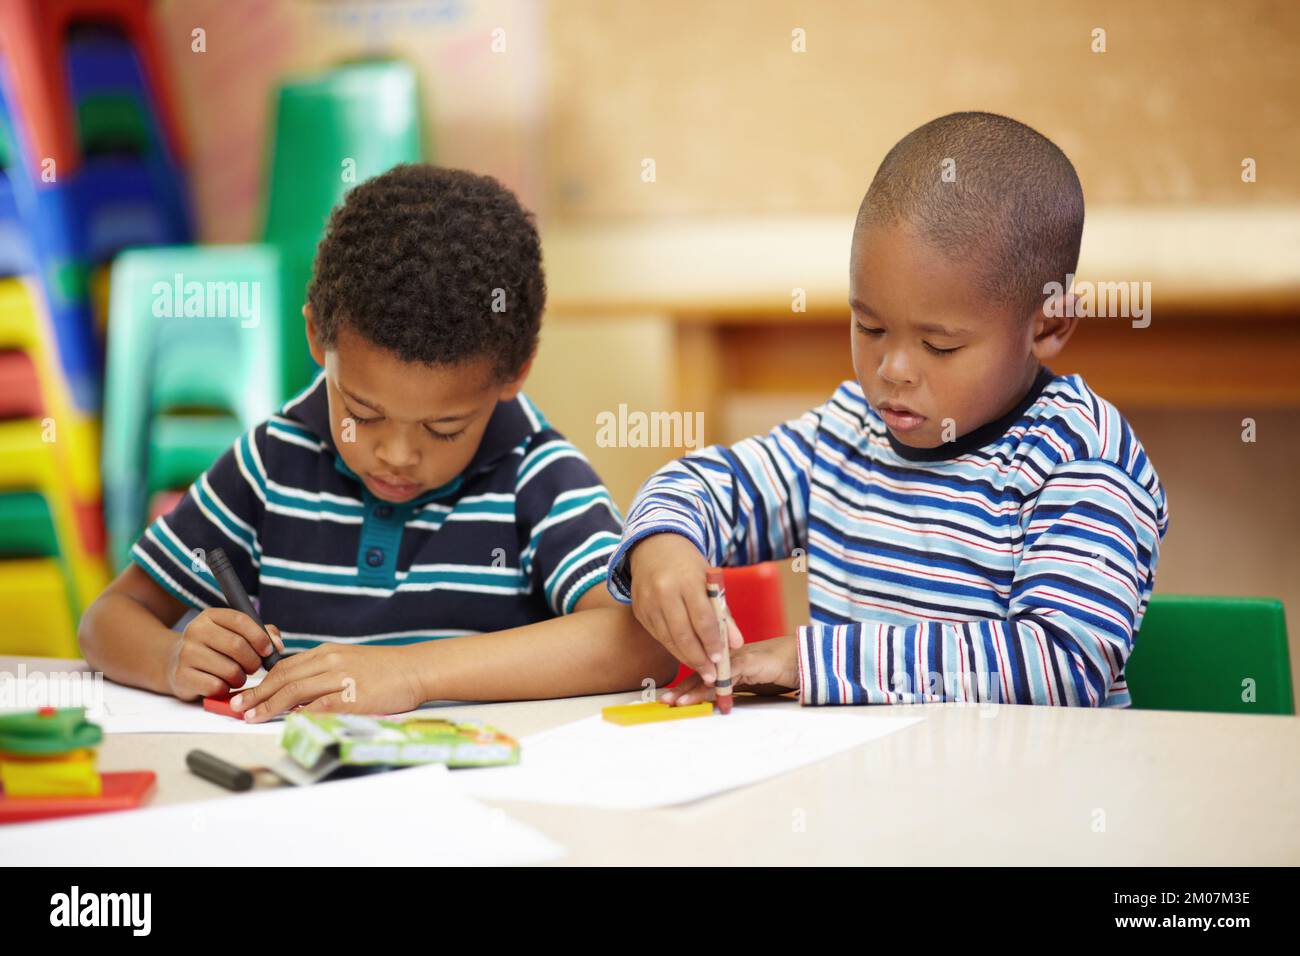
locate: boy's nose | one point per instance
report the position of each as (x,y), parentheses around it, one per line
(397,453)
(896,370)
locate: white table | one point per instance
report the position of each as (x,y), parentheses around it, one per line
(969,785)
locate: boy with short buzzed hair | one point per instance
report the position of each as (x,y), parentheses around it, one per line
(977,528)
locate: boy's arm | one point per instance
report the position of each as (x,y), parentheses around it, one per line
(599,649)
(126,633)
(737,505)
(1089,563)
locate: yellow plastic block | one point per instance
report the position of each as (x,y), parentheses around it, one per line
(68,775)
(652,711)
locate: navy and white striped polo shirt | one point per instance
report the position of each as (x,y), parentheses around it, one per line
(518,537)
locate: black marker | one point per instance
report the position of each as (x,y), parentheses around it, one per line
(223,774)
(237,597)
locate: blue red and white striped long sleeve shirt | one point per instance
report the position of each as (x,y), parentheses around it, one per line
(1012,565)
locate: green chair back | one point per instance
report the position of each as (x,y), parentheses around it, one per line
(26,526)
(1223,654)
(332,130)
(110,122)
(183,301)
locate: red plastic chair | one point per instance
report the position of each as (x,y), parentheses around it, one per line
(31,40)
(756,604)
(20,388)
(163,503)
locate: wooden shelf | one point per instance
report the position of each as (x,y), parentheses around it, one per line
(1196,259)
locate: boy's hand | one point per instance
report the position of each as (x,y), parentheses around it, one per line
(671,601)
(218,649)
(337,678)
(763,667)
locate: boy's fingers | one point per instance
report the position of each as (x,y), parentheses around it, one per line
(276,639)
(295,667)
(686,644)
(293,693)
(201,684)
(671,695)
(692,691)
(673,626)
(705,621)
(736,640)
(203,658)
(231,645)
(330,703)
(243,625)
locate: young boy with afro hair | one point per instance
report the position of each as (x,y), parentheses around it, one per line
(411,526)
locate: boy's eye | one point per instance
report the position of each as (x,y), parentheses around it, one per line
(939,351)
(359,420)
(863,328)
(444,436)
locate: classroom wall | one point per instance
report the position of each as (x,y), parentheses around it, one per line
(738,124)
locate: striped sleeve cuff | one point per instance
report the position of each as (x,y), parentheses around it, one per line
(620,572)
(579,572)
(179,572)
(832,666)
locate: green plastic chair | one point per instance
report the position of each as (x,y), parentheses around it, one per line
(1198,653)
(7,149)
(182,447)
(111,122)
(359,119)
(185,381)
(26,526)
(145,329)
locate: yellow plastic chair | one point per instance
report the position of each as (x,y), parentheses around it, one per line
(37,609)
(22,327)
(29,462)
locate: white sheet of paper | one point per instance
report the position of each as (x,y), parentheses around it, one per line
(412,817)
(594,763)
(119,709)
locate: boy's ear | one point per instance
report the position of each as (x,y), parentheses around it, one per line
(1053,323)
(313,339)
(513,387)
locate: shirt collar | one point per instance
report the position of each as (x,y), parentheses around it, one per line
(984,435)
(511,424)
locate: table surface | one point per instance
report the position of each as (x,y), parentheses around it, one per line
(971,784)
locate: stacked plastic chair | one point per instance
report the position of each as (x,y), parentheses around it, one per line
(187,374)
(194,360)
(51,530)
(97,160)
(89,164)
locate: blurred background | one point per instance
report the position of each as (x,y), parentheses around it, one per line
(695,168)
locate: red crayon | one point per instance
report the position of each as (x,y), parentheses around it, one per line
(718,595)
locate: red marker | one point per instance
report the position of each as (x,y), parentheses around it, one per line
(718,596)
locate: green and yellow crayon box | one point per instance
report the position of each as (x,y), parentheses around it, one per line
(361,740)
